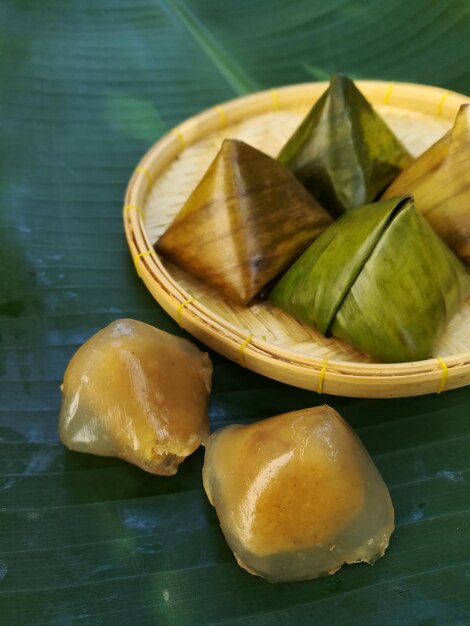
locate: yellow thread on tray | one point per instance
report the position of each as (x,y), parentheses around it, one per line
(143,170)
(242,349)
(138,256)
(388,93)
(179,311)
(134,207)
(222,115)
(321,377)
(445,373)
(440,105)
(275,97)
(180,137)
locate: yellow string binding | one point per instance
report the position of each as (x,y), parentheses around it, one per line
(222,115)
(138,256)
(321,376)
(445,373)
(275,97)
(134,207)
(179,135)
(388,93)
(179,310)
(242,349)
(143,170)
(440,105)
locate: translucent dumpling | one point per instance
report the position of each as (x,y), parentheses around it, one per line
(297,495)
(138,393)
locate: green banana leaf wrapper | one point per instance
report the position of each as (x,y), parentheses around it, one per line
(343,151)
(246,221)
(380,279)
(439,181)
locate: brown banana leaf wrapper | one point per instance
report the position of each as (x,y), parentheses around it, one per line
(343,151)
(439,180)
(246,221)
(380,279)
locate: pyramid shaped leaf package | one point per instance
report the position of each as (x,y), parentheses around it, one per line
(343,151)
(245,222)
(380,279)
(439,181)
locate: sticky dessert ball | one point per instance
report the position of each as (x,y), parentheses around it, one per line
(137,393)
(297,495)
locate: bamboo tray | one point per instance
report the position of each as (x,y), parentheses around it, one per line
(261,337)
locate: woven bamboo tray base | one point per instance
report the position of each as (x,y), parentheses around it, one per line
(261,336)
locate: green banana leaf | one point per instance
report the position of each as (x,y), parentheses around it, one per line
(343,151)
(246,206)
(85,88)
(438,182)
(379,278)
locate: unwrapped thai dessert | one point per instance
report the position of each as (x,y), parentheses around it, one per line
(380,279)
(297,495)
(246,221)
(343,151)
(137,393)
(439,181)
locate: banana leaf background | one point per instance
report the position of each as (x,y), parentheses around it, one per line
(85,88)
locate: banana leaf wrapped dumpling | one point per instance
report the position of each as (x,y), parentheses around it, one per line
(380,279)
(245,222)
(439,181)
(343,151)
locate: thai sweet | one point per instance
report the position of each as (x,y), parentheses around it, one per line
(137,393)
(343,151)
(438,182)
(380,279)
(246,221)
(297,495)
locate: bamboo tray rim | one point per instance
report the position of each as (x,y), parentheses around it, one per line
(176,300)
